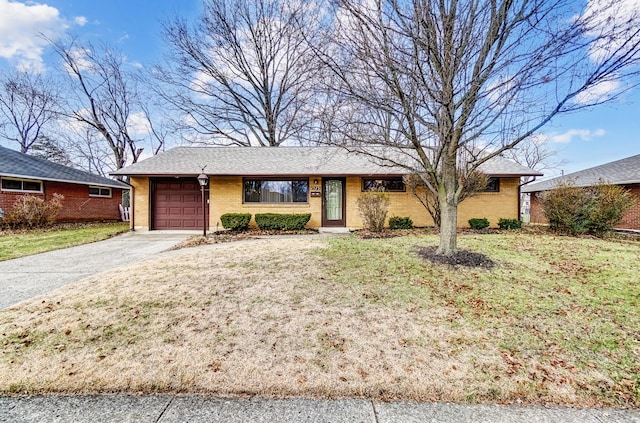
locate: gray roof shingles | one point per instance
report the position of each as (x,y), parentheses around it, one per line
(620,172)
(20,165)
(282,161)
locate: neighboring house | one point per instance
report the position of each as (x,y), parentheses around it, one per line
(86,196)
(625,172)
(323,181)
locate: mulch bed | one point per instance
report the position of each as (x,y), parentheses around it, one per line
(461,258)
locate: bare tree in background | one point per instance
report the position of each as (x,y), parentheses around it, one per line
(535,153)
(243,74)
(27,106)
(103,97)
(466,81)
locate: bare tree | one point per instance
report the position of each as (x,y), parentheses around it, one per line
(103,97)
(535,153)
(465,81)
(27,105)
(243,74)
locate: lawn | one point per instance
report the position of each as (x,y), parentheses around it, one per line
(25,243)
(555,321)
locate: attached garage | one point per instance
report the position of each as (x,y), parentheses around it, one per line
(177,204)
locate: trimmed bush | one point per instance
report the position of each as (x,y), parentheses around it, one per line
(283,222)
(374,206)
(479,223)
(235,221)
(504,223)
(397,222)
(30,211)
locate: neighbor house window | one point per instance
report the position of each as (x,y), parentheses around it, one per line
(23,185)
(493,185)
(389,184)
(99,192)
(276,191)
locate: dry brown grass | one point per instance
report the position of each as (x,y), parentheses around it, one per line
(259,317)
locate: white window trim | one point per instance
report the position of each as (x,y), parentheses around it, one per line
(101,188)
(22,180)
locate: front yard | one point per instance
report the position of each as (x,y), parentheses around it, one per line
(556,321)
(14,244)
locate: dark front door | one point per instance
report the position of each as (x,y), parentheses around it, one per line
(333,202)
(177,204)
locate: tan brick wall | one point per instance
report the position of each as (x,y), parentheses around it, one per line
(140,203)
(226,197)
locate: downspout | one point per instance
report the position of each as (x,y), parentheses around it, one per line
(520,197)
(132,213)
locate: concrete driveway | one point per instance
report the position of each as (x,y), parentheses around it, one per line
(27,277)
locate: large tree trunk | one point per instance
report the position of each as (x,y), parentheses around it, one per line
(448,227)
(448,207)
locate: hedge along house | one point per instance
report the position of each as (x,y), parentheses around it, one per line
(87,197)
(624,172)
(323,181)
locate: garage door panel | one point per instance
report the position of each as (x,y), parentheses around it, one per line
(177,205)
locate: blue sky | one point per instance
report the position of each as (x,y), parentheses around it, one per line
(583,139)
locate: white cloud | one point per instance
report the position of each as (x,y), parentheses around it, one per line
(21,29)
(138,124)
(598,93)
(568,136)
(80,20)
(612,26)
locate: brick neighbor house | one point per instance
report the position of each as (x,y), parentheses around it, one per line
(86,196)
(323,181)
(625,172)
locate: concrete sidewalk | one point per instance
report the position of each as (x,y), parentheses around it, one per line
(191,408)
(28,277)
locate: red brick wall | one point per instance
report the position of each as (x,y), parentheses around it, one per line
(77,205)
(631,220)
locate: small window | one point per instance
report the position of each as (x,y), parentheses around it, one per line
(23,185)
(389,184)
(493,185)
(99,192)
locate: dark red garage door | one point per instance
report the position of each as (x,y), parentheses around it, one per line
(177,204)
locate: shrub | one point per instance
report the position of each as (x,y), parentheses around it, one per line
(396,222)
(374,206)
(235,221)
(565,208)
(581,210)
(607,208)
(504,223)
(285,222)
(479,223)
(33,212)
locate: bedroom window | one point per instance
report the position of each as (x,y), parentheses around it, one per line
(276,191)
(21,185)
(99,192)
(389,184)
(493,185)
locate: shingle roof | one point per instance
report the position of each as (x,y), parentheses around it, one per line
(282,161)
(20,165)
(620,172)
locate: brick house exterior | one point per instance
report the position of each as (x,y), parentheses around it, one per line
(625,172)
(166,194)
(87,197)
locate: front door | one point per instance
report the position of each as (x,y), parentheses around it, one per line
(333,202)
